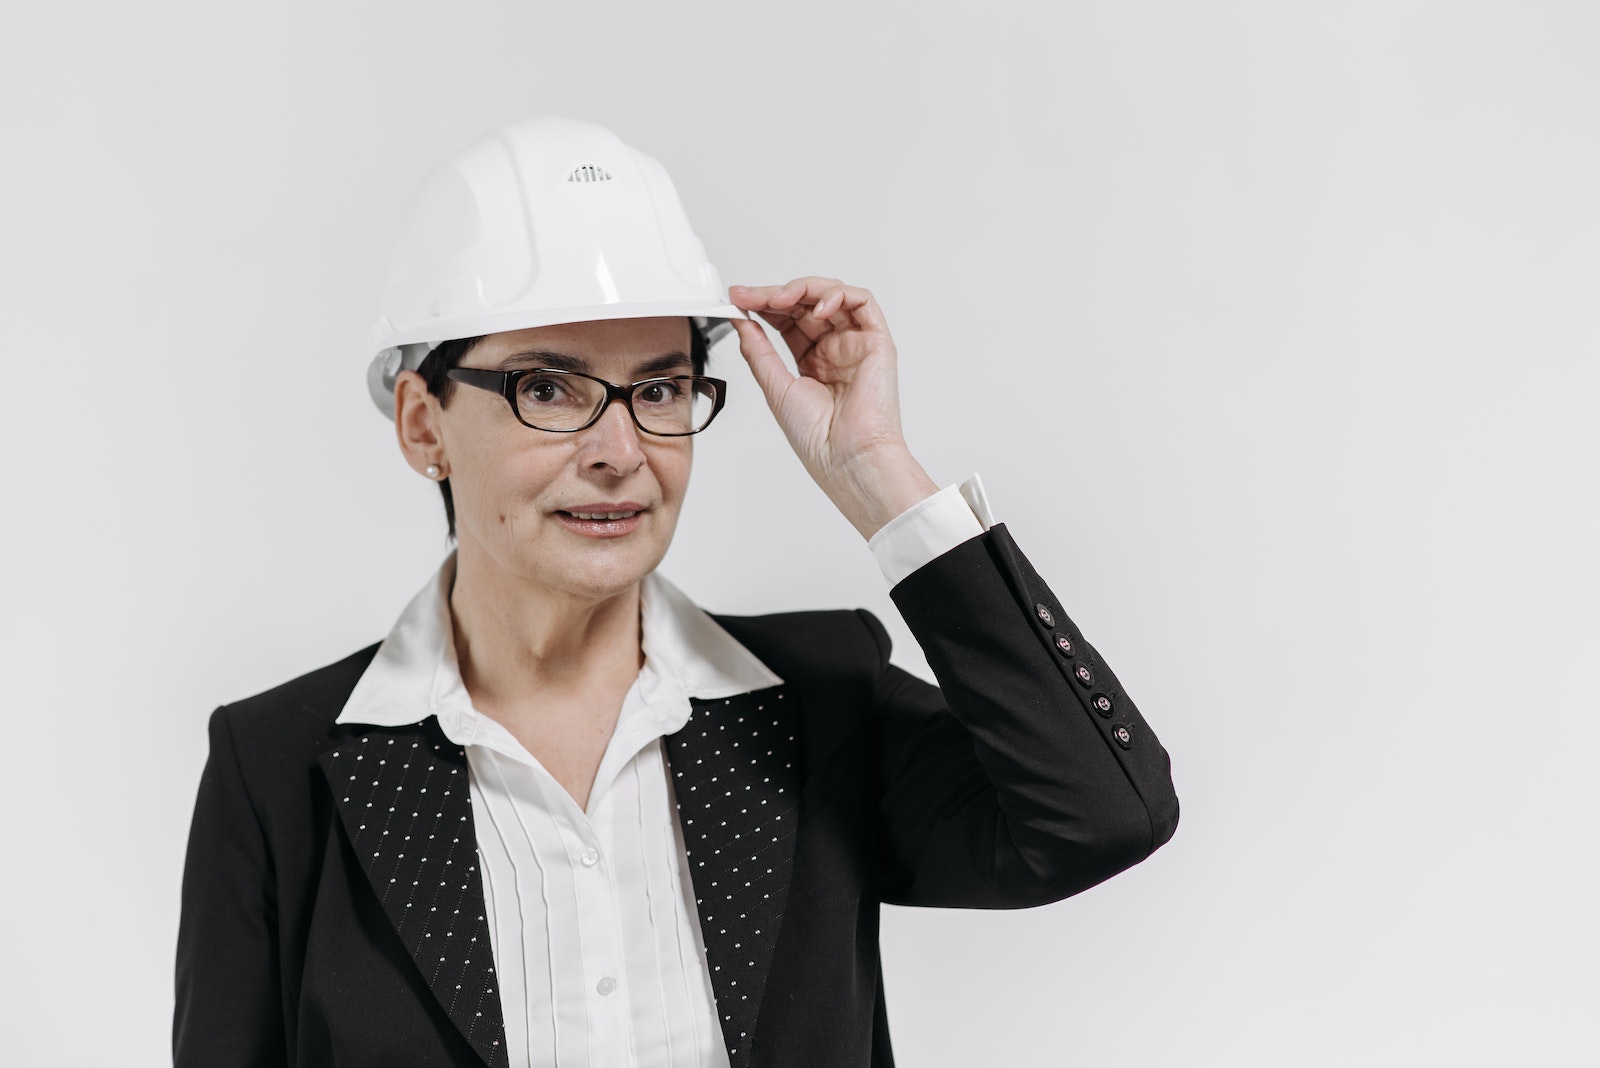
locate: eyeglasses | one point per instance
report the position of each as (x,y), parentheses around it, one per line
(563,402)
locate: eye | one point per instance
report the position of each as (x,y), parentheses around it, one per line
(544,389)
(665,391)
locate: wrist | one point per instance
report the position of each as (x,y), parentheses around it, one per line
(880,485)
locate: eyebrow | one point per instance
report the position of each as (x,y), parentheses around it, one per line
(562,361)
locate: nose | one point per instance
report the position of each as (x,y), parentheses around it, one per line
(612,443)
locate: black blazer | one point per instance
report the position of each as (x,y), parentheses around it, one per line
(333,912)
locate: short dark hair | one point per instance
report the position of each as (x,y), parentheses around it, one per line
(436,365)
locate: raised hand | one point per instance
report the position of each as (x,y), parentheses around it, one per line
(841,413)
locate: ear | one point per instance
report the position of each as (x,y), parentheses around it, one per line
(418,423)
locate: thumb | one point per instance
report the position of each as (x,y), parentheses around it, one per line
(765,363)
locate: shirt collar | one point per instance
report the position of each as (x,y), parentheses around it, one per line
(415,673)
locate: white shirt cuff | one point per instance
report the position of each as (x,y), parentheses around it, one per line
(930,528)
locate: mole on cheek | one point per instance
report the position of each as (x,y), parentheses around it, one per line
(502,517)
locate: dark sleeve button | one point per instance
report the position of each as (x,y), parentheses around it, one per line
(1044,615)
(1063,643)
(1102,704)
(1123,736)
(1084,675)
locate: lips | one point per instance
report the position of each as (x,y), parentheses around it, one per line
(605,519)
(604,509)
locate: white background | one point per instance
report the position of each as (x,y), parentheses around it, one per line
(1270,326)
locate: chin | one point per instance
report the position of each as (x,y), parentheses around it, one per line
(598,574)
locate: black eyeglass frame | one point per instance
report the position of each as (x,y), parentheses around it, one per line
(505,384)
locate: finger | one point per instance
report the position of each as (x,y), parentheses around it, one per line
(804,290)
(778,306)
(823,298)
(814,290)
(788,323)
(801,320)
(805,305)
(765,302)
(811,287)
(837,308)
(858,304)
(765,363)
(754,297)
(834,311)
(817,305)
(791,327)
(865,309)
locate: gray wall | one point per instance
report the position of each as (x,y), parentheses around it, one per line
(1271,328)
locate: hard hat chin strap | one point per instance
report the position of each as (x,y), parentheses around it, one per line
(713,330)
(385,370)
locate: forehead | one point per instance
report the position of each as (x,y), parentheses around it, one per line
(604,343)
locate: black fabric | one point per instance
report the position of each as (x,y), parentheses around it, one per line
(1002,788)
(404,802)
(736,775)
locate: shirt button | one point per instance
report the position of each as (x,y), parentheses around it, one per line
(1102,704)
(606,986)
(1123,736)
(1063,643)
(1044,615)
(590,857)
(1083,673)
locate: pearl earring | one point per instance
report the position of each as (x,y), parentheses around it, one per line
(433,472)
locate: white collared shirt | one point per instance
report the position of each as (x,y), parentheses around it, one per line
(592,918)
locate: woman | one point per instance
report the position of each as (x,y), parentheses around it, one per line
(561,816)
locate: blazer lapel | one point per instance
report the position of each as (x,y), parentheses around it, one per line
(736,772)
(403,798)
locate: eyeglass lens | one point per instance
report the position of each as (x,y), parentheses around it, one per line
(554,401)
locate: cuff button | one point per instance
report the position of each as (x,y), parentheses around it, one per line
(1063,643)
(1102,704)
(1123,736)
(1044,615)
(1084,675)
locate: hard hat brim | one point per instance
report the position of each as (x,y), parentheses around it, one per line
(441,330)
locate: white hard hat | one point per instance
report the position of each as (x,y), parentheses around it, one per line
(539,222)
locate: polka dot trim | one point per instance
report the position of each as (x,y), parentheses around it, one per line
(403,798)
(736,772)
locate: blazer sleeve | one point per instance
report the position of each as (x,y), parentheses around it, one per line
(229,1000)
(1028,774)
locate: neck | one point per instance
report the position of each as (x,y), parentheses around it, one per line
(516,641)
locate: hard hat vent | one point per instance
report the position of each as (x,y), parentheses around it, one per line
(589,172)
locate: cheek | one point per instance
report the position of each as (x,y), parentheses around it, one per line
(503,481)
(672,472)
